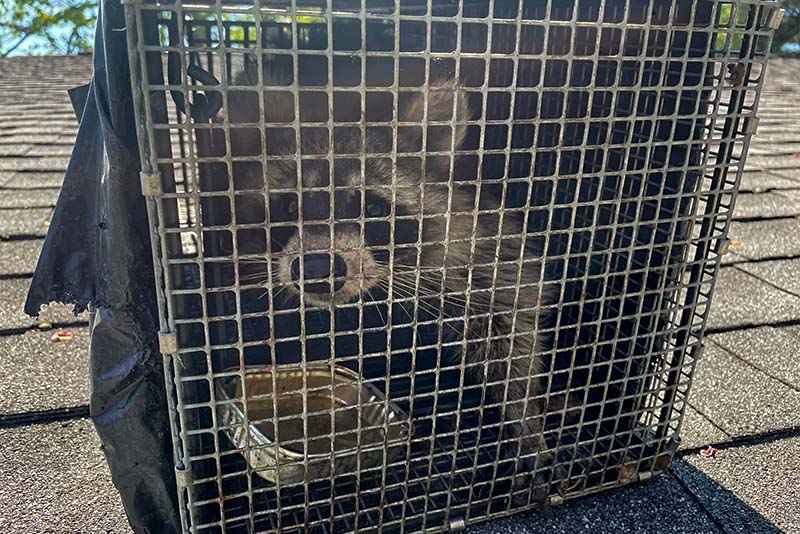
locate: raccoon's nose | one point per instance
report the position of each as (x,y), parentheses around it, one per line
(318,267)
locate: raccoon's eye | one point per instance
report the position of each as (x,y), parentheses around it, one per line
(377,209)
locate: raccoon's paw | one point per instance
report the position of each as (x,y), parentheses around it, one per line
(531,480)
(529,488)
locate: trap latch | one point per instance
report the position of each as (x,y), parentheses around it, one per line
(204,105)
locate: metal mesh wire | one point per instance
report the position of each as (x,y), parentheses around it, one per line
(422,264)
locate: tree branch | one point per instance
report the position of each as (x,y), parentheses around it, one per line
(68,48)
(15,45)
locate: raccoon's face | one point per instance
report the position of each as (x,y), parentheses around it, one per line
(338,249)
(337,235)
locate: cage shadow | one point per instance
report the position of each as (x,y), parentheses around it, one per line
(683,500)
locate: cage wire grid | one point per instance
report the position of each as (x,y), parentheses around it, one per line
(601,153)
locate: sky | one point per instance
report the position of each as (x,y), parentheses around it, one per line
(38,45)
(29,46)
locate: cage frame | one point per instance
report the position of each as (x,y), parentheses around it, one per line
(736,90)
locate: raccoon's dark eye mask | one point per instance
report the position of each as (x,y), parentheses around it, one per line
(285,207)
(376,207)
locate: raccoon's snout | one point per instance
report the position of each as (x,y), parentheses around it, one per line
(318,267)
(350,262)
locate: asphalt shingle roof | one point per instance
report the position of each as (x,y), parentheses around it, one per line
(748,489)
(762,240)
(745,399)
(756,181)
(773,350)
(55,480)
(12,300)
(40,374)
(742,299)
(19,257)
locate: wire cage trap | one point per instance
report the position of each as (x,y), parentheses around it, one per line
(425,263)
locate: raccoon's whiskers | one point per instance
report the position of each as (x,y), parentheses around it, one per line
(409,289)
(400,290)
(424,306)
(461,300)
(384,284)
(274,295)
(454,299)
(440,313)
(413,290)
(377,307)
(431,287)
(408,308)
(257,278)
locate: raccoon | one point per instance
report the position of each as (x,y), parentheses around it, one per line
(458,263)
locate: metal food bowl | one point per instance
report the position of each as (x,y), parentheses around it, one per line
(306,414)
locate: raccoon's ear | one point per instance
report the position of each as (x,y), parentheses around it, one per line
(443,100)
(243,102)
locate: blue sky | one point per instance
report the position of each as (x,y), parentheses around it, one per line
(30,46)
(35,45)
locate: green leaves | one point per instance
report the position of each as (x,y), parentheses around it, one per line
(47,26)
(789,32)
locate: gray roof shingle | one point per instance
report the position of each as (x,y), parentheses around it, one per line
(748,489)
(41,374)
(55,479)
